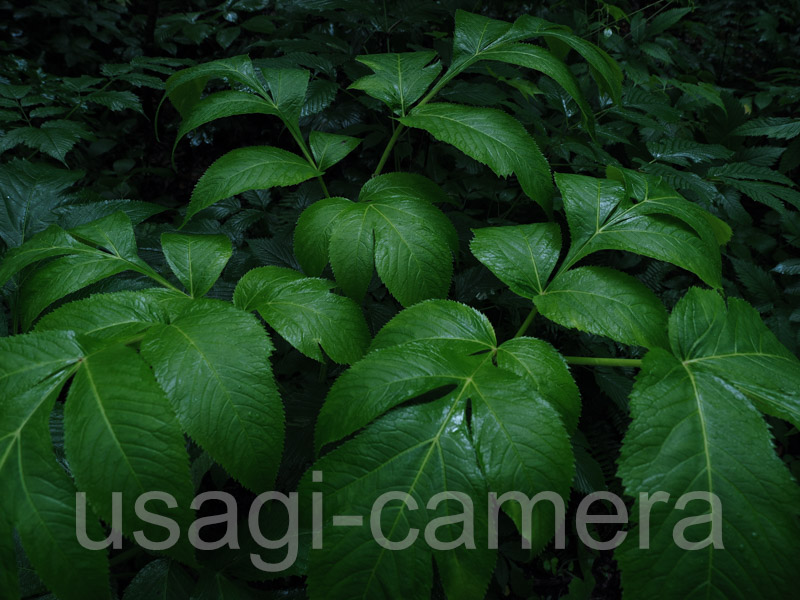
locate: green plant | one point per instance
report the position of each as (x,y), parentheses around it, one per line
(137,355)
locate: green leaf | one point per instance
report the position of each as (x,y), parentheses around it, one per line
(394,227)
(312,234)
(320,95)
(663,21)
(546,372)
(116,100)
(693,432)
(521,256)
(399,79)
(606,302)
(221,387)
(29,193)
(160,580)
(53,241)
(601,217)
(113,233)
(703,93)
(117,316)
(225,37)
(51,138)
(40,497)
(733,344)
(196,260)
(328,148)
(412,253)
(30,358)
(73,215)
(473,35)
(681,151)
(304,312)
(116,410)
(254,168)
(184,87)
(436,320)
(398,186)
(220,105)
(420,452)
(491,137)
(63,276)
(746,171)
(83,266)
(420,449)
(781,128)
(655,196)
(288,88)
(351,249)
(605,70)
(384,379)
(534,57)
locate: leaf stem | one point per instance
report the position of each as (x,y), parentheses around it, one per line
(298,137)
(527,322)
(388,150)
(591,361)
(393,140)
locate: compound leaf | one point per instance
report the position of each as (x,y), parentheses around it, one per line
(399,79)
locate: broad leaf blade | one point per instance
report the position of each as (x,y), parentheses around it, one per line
(196,260)
(221,387)
(491,137)
(734,344)
(29,195)
(521,256)
(399,79)
(606,302)
(63,276)
(53,241)
(352,249)
(692,432)
(533,57)
(546,371)
(328,148)
(108,317)
(312,235)
(601,217)
(434,320)
(419,451)
(41,497)
(304,312)
(184,87)
(220,105)
(161,579)
(254,168)
(288,90)
(116,410)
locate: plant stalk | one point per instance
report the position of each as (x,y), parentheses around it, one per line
(591,361)
(527,322)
